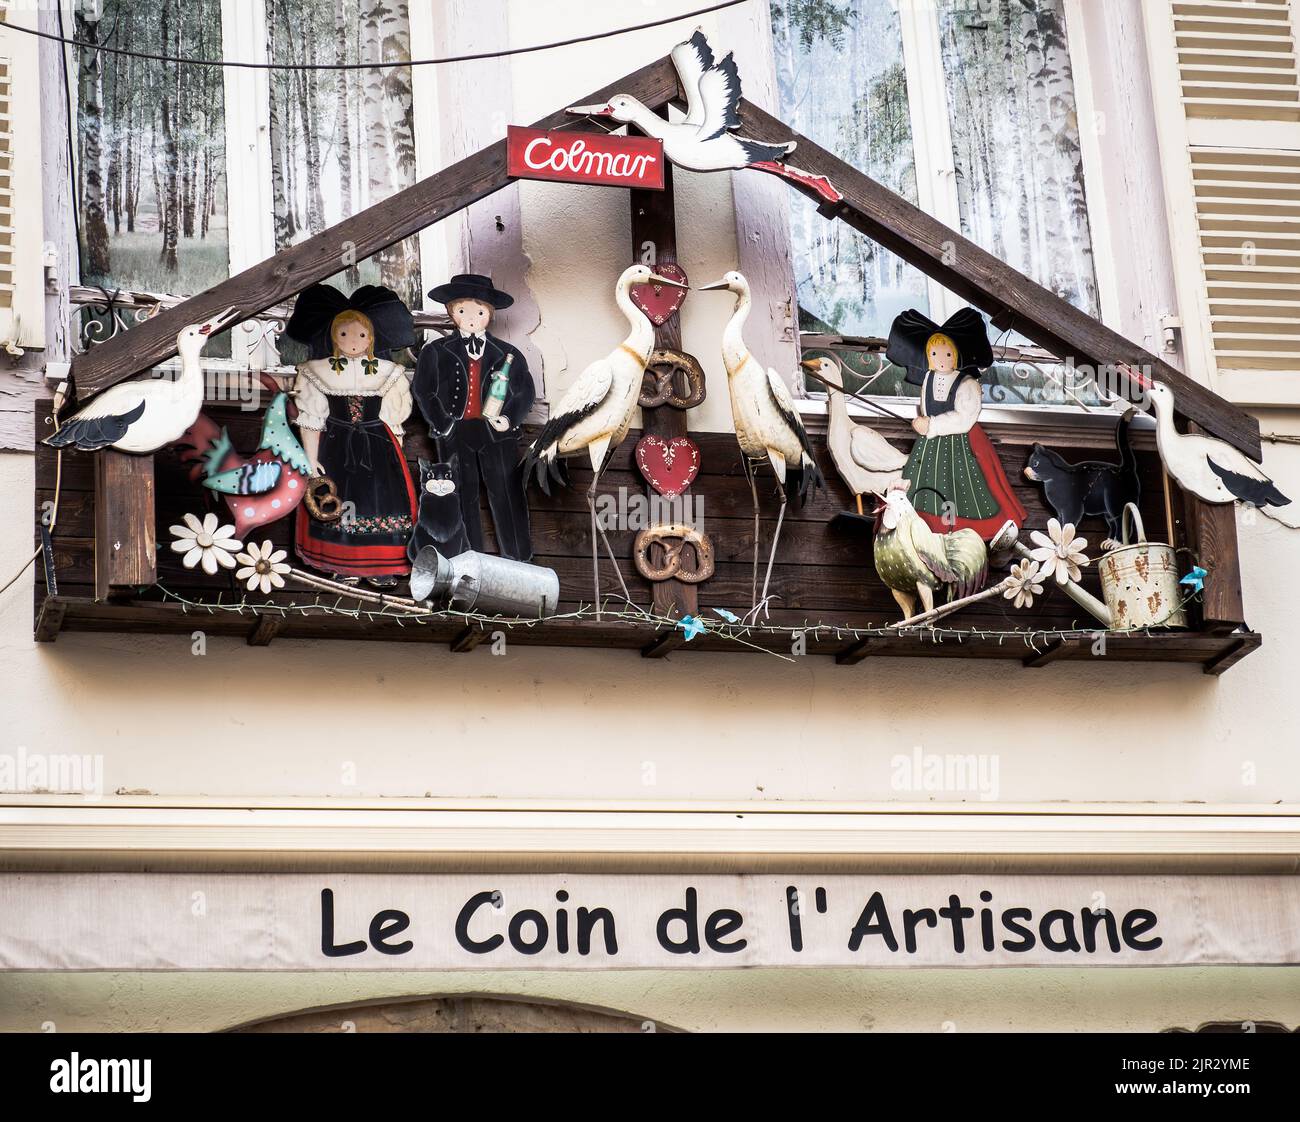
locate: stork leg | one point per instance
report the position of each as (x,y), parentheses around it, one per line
(771,557)
(599,451)
(751,472)
(595,557)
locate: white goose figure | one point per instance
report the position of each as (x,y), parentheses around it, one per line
(865,460)
(596,411)
(143,416)
(766,422)
(704,139)
(1210,469)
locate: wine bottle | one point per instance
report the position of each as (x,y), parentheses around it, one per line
(496,397)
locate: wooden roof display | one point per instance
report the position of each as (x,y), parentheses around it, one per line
(109,575)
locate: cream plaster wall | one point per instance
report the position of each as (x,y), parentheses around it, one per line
(763,1000)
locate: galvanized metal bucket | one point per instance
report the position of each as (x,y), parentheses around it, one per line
(1139,580)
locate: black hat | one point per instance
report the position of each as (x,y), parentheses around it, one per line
(912,330)
(471,286)
(316,307)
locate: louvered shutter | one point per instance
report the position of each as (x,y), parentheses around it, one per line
(22,310)
(1227,97)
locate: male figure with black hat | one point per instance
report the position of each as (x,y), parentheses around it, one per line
(475,391)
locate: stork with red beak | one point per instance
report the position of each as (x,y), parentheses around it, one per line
(147,414)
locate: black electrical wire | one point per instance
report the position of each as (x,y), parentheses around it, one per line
(81,43)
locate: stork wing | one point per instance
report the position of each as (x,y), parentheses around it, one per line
(1249,489)
(581,399)
(99,424)
(779,393)
(872,451)
(692,60)
(720,95)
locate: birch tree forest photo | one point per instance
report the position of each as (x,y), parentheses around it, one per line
(152,137)
(342,140)
(842,82)
(152,148)
(842,76)
(1015,135)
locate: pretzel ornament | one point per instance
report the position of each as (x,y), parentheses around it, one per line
(322,499)
(673,538)
(665,371)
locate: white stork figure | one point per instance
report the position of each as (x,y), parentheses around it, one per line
(1210,469)
(596,411)
(144,415)
(705,139)
(767,424)
(865,460)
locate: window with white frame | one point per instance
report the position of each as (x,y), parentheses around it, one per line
(188,174)
(964,107)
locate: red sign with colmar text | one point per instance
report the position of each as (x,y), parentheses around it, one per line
(585,157)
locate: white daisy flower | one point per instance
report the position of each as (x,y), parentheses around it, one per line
(1024,583)
(264,567)
(205,543)
(1060,552)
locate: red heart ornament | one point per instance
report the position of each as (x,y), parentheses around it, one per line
(669,466)
(660,301)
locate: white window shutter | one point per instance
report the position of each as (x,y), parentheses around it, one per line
(1227,101)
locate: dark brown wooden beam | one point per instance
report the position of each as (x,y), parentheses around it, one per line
(1050,653)
(267,627)
(468,639)
(664,645)
(49,619)
(994,286)
(125,538)
(851,656)
(364,234)
(1212,538)
(654,220)
(1232,654)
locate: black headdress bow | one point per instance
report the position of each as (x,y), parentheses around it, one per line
(912,330)
(316,307)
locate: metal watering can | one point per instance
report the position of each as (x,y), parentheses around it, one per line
(1139,580)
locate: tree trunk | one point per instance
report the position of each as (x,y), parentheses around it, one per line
(92,152)
(343,123)
(169,204)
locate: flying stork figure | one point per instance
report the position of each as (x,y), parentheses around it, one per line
(144,415)
(766,422)
(706,139)
(1210,469)
(596,411)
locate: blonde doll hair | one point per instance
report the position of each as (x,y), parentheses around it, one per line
(939,339)
(351,315)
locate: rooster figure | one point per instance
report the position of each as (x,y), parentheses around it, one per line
(260,488)
(914,561)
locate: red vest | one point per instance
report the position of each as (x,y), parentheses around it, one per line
(474,394)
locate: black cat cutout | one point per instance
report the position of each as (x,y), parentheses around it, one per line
(1093,487)
(440,522)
